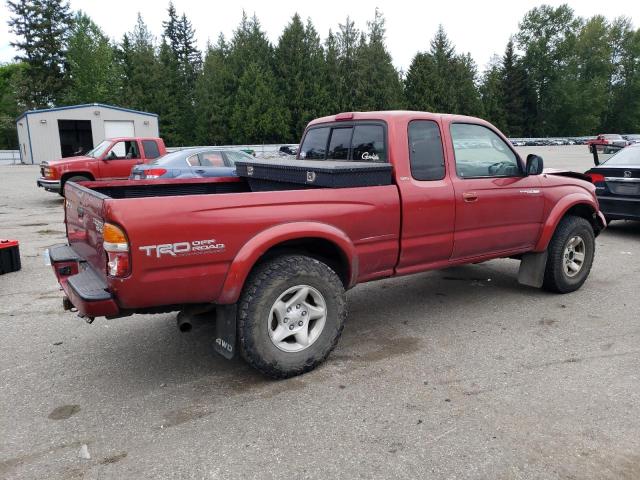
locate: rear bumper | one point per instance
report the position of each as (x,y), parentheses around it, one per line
(85,288)
(620,208)
(49,185)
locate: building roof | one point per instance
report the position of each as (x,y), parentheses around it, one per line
(86,105)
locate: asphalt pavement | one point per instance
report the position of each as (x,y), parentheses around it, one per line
(456,374)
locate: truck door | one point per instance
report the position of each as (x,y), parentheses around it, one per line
(498,207)
(428,209)
(120,159)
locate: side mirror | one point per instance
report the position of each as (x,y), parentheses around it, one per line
(535,165)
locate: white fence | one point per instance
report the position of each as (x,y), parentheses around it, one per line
(12,157)
(9,157)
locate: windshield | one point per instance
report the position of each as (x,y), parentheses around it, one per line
(626,157)
(610,136)
(99,150)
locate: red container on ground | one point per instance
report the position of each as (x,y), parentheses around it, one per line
(9,256)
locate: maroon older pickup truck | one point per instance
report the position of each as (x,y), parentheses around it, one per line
(275,264)
(110,159)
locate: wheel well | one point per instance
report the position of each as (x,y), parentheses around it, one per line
(588,213)
(68,175)
(318,248)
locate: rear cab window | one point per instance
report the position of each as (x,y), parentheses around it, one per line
(151,149)
(346,141)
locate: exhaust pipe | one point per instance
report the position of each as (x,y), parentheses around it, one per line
(184,322)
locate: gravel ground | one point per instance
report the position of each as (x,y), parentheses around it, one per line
(452,374)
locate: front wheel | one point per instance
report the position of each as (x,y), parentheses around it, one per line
(75,178)
(291,315)
(570,255)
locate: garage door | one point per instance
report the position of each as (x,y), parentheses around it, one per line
(118,128)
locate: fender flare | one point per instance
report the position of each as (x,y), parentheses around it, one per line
(556,214)
(74,172)
(257,246)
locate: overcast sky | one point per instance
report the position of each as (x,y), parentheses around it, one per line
(479,27)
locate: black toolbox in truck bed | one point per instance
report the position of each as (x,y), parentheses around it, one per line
(289,173)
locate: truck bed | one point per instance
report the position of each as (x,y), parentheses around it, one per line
(223,212)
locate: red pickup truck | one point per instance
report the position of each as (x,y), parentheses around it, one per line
(111,159)
(275,265)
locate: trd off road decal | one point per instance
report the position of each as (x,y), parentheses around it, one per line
(179,249)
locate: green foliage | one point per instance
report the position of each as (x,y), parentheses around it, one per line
(92,74)
(298,66)
(42,28)
(139,65)
(559,75)
(442,81)
(9,106)
(378,85)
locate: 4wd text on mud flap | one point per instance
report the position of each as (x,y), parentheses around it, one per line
(228,347)
(183,248)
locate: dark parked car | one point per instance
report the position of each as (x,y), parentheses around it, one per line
(191,163)
(617,181)
(286,150)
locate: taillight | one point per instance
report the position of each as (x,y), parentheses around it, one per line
(154,172)
(596,177)
(116,246)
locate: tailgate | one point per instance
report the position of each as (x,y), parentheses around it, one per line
(84,221)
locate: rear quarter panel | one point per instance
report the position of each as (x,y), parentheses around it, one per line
(369,218)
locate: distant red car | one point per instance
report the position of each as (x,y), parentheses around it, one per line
(112,159)
(608,139)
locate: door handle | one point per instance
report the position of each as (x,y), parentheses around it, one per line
(200,171)
(470,197)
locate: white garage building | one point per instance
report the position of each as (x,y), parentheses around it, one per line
(52,133)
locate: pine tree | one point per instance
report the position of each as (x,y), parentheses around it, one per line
(298,68)
(181,63)
(331,76)
(347,40)
(493,98)
(443,81)
(9,107)
(514,92)
(258,115)
(139,67)
(213,88)
(42,28)
(92,74)
(379,85)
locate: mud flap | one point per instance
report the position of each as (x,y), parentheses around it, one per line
(532,267)
(225,342)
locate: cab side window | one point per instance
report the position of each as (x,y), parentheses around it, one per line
(480,152)
(124,150)
(426,156)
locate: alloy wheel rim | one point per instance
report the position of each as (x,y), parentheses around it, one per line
(574,256)
(297,318)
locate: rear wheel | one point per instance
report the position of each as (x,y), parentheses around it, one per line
(75,178)
(570,255)
(291,315)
